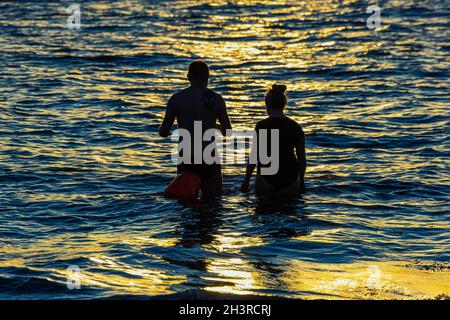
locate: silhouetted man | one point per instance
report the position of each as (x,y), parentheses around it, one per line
(198,103)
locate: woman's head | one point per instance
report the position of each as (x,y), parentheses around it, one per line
(276,97)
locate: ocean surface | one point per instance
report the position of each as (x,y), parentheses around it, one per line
(82,168)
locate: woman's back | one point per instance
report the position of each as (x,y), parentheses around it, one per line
(290,133)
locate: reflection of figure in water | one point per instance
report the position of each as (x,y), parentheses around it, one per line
(290,178)
(288,213)
(198,228)
(198,103)
(276,206)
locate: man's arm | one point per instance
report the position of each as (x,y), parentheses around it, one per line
(250,167)
(301,157)
(169,119)
(224,120)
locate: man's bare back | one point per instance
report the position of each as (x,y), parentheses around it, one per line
(195,104)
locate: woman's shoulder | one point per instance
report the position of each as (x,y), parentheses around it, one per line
(295,125)
(262,123)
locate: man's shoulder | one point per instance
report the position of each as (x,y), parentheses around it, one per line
(180,93)
(187,91)
(215,94)
(178,97)
(214,99)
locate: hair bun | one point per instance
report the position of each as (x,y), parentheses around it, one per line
(278,88)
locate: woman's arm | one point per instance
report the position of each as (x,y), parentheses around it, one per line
(301,158)
(248,175)
(250,166)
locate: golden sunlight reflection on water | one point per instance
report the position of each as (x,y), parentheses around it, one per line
(101,137)
(307,280)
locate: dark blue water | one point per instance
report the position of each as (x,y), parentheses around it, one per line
(82,167)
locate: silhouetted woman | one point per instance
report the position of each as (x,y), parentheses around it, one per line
(290,178)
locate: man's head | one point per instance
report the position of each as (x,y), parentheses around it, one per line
(198,72)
